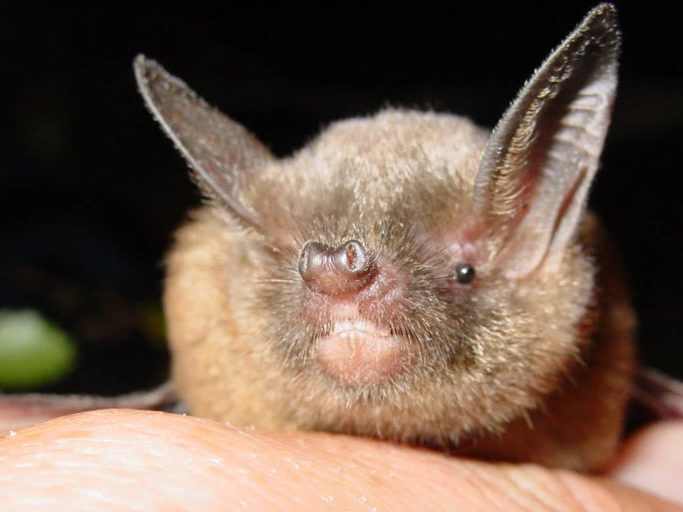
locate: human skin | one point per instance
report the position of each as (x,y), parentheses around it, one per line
(139,460)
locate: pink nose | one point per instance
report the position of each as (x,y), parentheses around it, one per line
(336,271)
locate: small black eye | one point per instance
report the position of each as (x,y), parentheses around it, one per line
(464,273)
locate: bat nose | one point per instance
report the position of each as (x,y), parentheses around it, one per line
(336,271)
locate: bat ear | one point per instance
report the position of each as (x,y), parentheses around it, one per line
(535,172)
(222,154)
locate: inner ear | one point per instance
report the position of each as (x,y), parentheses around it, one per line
(223,155)
(536,170)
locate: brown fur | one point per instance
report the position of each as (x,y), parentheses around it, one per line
(538,376)
(529,361)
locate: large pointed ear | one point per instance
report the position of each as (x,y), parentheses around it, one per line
(221,152)
(535,172)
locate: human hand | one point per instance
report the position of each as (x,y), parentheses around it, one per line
(133,460)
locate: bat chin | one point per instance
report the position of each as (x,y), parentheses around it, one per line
(360,353)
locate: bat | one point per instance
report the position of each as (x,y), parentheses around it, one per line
(406,276)
(409,276)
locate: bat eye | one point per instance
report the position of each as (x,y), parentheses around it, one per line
(464,273)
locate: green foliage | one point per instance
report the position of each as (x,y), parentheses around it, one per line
(33,351)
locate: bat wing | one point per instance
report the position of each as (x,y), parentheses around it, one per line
(22,410)
(656,396)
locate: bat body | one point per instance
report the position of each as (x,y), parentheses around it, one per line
(409,276)
(547,381)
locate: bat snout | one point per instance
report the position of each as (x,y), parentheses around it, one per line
(336,271)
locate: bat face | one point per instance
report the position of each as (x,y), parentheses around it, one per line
(364,278)
(407,275)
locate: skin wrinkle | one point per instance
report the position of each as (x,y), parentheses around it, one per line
(274,444)
(595,499)
(346,471)
(502,492)
(117,460)
(547,490)
(484,487)
(184,463)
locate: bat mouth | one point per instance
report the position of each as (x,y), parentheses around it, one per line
(359,353)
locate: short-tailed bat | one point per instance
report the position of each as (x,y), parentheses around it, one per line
(409,276)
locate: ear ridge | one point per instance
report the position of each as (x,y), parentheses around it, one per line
(221,153)
(536,170)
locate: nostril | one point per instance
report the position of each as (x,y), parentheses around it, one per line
(335,271)
(352,257)
(313,258)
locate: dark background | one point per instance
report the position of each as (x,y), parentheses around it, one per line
(90,189)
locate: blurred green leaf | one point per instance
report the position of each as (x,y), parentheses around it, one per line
(33,351)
